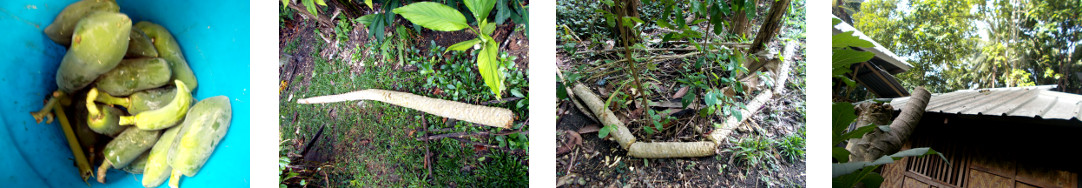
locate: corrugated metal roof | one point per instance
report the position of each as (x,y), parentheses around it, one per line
(883,57)
(1037,102)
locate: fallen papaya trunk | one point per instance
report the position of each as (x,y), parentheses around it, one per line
(672,149)
(485,115)
(640,149)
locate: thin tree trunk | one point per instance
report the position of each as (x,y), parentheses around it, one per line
(770,26)
(490,116)
(740,21)
(878,143)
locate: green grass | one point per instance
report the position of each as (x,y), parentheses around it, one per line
(392,157)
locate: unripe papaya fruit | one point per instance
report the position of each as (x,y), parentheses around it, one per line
(134,75)
(61,29)
(169,50)
(98,43)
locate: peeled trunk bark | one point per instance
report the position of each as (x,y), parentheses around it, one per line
(878,143)
(490,116)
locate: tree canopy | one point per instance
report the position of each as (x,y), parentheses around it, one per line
(969,44)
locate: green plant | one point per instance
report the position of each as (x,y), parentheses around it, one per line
(503,170)
(754,152)
(657,121)
(341,31)
(717,100)
(604,132)
(792,146)
(440,17)
(377,22)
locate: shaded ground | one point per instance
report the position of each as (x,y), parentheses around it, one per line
(602,163)
(372,144)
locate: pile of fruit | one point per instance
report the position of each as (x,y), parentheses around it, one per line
(128,90)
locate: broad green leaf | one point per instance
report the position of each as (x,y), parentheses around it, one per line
(487,28)
(840,169)
(846,39)
(285,3)
(847,81)
(561,91)
(369,3)
(857,133)
(517,93)
(842,58)
(480,8)
(872,180)
(367,20)
(488,64)
(604,132)
(696,22)
(502,12)
(852,178)
(842,114)
(750,9)
(840,154)
(311,6)
(321,3)
(463,46)
(434,16)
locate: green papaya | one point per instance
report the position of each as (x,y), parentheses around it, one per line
(125,148)
(151,99)
(169,50)
(134,75)
(99,42)
(61,29)
(157,168)
(141,101)
(139,164)
(139,45)
(164,117)
(106,122)
(206,125)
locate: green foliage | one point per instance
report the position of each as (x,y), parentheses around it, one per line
(968,44)
(843,55)
(604,132)
(514,141)
(658,121)
(792,146)
(503,170)
(754,152)
(441,17)
(341,31)
(434,16)
(581,18)
(376,23)
(716,99)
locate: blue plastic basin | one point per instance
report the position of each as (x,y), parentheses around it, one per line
(214,36)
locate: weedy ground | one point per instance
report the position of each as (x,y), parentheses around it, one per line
(766,151)
(372,144)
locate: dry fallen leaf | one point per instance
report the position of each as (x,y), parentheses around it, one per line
(680,93)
